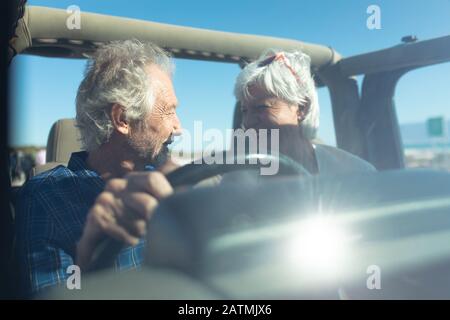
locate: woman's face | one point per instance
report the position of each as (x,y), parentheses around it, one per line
(264,111)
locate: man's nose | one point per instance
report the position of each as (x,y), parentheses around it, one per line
(177,129)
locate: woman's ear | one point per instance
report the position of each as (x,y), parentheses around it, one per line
(303,110)
(119,120)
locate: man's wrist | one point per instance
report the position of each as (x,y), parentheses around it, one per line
(84,251)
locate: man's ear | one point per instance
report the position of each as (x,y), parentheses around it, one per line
(119,120)
(303,110)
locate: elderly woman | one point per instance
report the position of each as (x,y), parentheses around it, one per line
(277,91)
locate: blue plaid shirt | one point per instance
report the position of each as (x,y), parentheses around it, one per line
(50,217)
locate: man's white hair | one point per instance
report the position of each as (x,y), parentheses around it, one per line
(288,78)
(116,73)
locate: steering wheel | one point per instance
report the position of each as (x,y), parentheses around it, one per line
(193,173)
(190,174)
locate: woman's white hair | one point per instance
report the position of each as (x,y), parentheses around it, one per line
(116,73)
(288,78)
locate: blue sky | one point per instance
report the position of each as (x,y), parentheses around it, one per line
(44,89)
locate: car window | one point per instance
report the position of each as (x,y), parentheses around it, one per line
(38,99)
(423,110)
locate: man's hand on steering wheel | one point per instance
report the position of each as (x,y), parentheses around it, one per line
(121,212)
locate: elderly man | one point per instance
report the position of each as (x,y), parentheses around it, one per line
(126,113)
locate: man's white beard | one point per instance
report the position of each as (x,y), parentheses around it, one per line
(144,149)
(147,154)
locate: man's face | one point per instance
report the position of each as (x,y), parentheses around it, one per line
(151,136)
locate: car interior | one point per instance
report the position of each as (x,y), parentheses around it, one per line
(197,236)
(63,139)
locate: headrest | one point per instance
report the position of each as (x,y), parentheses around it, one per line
(63,139)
